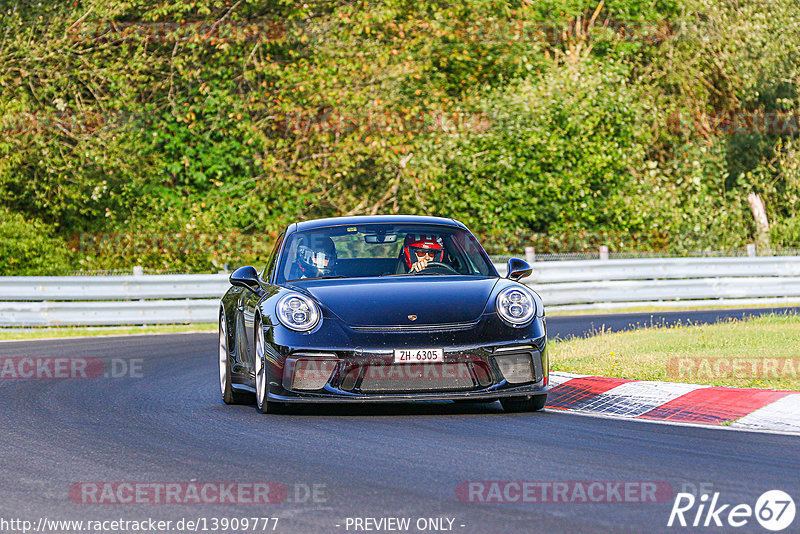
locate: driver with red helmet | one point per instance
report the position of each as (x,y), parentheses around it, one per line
(419,250)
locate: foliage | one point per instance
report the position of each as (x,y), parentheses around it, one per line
(27,247)
(556,158)
(185,135)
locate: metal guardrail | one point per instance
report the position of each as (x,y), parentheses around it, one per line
(564,285)
(100,313)
(659,268)
(110,300)
(665,290)
(674,282)
(166,286)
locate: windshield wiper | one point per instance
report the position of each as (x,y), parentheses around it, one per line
(319,277)
(422,272)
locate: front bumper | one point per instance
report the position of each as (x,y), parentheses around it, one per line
(467,373)
(522,391)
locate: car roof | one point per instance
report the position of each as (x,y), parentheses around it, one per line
(381,219)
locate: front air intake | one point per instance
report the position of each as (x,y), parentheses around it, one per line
(516,368)
(307,374)
(429,377)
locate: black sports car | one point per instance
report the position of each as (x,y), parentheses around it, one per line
(382,308)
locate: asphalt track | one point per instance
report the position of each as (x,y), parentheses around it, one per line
(166,423)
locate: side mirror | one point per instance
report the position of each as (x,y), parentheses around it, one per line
(246,277)
(518,269)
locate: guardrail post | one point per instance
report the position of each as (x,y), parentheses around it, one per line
(138,270)
(603,252)
(530,254)
(751,250)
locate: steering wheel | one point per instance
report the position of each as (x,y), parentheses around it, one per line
(438,267)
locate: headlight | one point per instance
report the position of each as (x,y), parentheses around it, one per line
(515,306)
(297,312)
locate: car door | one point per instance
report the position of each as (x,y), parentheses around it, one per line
(250,300)
(240,370)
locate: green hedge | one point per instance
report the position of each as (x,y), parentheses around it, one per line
(27,247)
(183,138)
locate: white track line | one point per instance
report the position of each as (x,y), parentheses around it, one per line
(783,415)
(674,423)
(558,377)
(632,399)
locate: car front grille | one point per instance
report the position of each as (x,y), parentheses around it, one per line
(440,327)
(401,378)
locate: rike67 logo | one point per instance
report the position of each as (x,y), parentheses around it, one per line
(774,510)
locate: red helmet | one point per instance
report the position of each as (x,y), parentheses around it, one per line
(422,243)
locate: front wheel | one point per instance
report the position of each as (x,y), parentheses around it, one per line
(532,403)
(262,401)
(229,395)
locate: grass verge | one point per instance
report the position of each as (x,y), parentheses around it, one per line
(8,334)
(761,352)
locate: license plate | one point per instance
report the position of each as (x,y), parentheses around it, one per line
(418,355)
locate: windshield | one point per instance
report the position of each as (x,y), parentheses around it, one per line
(382,250)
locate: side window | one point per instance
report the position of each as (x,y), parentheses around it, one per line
(272,257)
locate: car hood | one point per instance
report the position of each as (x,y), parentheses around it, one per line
(392,301)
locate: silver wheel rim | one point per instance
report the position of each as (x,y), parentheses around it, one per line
(261,388)
(223,356)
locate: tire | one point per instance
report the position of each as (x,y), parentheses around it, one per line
(532,403)
(262,402)
(229,395)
